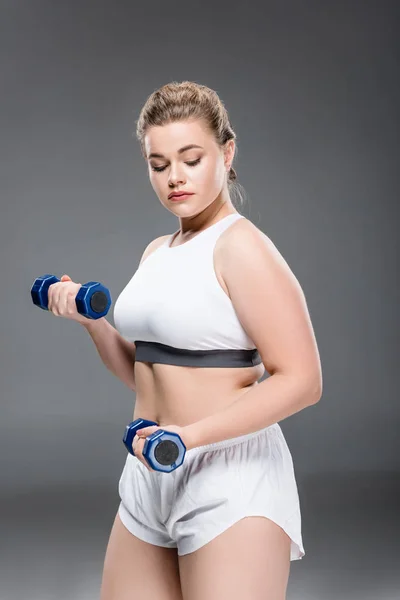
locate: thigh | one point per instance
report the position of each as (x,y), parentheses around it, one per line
(250,561)
(136,569)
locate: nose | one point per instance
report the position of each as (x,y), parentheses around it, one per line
(175,177)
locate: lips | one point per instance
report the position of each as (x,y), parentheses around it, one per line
(177,194)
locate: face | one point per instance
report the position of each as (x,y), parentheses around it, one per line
(201,170)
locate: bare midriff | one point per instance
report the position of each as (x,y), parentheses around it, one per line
(177,395)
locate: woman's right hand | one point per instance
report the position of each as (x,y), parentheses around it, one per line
(61,300)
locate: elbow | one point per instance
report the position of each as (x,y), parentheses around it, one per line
(314,391)
(311,389)
(313,384)
(317,397)
(131,384)
(308,390)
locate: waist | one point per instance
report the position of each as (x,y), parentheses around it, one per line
(183,395)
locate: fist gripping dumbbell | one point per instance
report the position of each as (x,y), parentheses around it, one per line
(92,300)
(163,450)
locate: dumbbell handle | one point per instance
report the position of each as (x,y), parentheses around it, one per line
(163,450)
(93,300)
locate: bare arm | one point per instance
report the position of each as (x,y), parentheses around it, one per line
(272,308)
(117,353)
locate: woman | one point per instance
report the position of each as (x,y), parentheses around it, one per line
(208,310)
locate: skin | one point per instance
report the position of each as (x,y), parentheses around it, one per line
(208,179)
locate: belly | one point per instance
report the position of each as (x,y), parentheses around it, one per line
(176,395)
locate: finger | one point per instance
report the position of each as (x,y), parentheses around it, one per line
(138,451)
(146,431)
(62,303)
(134,444)
(56,300)
(65,300)
(71,303)
(50,297)
(53,302)
(145,463)
(139,454)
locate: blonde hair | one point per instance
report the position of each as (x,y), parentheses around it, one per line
(183,101)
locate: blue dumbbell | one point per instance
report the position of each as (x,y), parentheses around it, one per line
(92,300)
(163,450)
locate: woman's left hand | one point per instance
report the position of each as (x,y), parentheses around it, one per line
(141,435)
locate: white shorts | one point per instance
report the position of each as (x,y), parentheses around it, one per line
(216,486)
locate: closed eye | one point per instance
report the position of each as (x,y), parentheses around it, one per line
(192,163)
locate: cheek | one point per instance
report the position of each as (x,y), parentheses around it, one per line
(155,181)
(208,177)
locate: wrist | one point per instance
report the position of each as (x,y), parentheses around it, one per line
(191,437)
(93,324)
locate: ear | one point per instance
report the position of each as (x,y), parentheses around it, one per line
(229,153)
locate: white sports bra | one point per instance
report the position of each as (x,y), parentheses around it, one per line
(176,312)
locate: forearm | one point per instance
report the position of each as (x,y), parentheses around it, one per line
(116,352)
(271,401)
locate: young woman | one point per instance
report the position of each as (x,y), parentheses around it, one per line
(209,309)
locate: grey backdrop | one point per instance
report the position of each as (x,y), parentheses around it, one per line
(312,91)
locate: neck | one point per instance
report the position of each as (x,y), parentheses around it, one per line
(215,211)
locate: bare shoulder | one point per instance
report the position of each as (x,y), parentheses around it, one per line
(244,236)
(243,247)
(152,246)
(240,227)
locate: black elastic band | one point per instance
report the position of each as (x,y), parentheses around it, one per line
(155,352)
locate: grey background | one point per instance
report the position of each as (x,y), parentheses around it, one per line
(312,91)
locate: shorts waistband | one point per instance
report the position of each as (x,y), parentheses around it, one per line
(274,429)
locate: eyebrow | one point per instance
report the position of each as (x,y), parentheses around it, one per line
(180,151)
